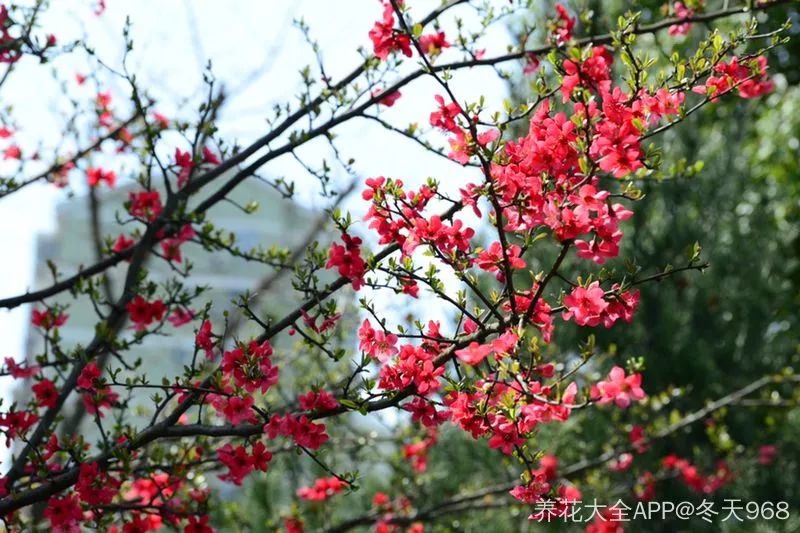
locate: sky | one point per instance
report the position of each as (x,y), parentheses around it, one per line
(256,53)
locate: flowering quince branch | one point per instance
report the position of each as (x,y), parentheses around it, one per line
(460,503)
(539,198)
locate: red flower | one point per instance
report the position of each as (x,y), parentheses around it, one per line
(20,372)
(250,367)
(96,487)
(64,513)
(444,117)
(414,366)
(198,525)
(303,431)
(95,175)
(734,74)
(12,152)
(376,344)
(240,463)
(348,260)
(122,243)
(46,393)
(505,434)
(96,394)
(385,40)
(386,99)
(210,157)
(767,454)
(204,339)
(593,74)
(322,489)
(433,43)
(180,317)
(235,409)
(425,413)
(145,205)
(103,100)
(185,163)
(143,313)
(171,250)
(47,319)
(474,353)
(161,120)
(533,491)
(637,438)
(562,28)
(317,401)
(492,259)
(16,423)
(293,525)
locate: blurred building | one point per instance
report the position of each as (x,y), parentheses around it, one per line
(277,222)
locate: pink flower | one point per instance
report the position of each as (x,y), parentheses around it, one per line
(563,27)
(734,74)
(681,12)
(474,353)
(377,344)
(20,371)
(767,454)
(180,316)
(444,117)
(492,259)
(585,305)
(619,388)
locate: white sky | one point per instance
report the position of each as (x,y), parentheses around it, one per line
(238,36)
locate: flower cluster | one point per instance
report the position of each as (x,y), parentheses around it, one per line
(590,306)
(95,392)
(619,389)
(322,489)
(240,462)
(748,77)
(145,205)
(694,479)
(413,365)
(387,40)
(48,318)
(143,313)
(95,175)
(300,428)
(319,401)
(682,12)
(377,344)
(347,259)
(249,367)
